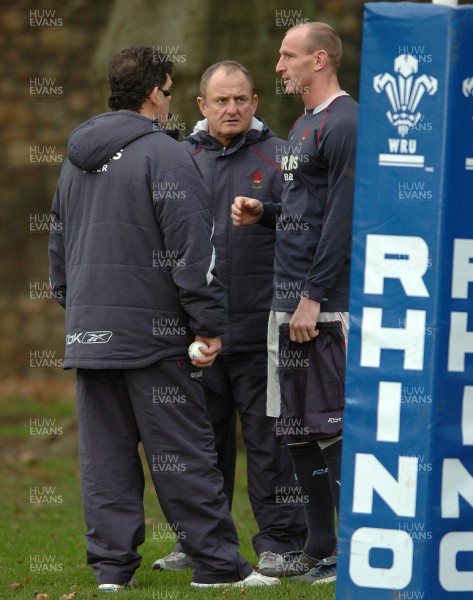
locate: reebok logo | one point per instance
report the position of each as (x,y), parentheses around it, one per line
(90,337)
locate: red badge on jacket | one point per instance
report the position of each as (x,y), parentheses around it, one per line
(257,180)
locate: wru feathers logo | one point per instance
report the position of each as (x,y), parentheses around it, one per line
(467,87)
(405,92)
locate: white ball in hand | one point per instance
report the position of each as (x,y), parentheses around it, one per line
(194,350)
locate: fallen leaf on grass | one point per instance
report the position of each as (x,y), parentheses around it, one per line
(15,585)
(41,597)
(28,457)
(68,596)
(242,592)
(226,592)
(27,579)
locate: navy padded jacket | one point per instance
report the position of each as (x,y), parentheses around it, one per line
(248,166)
(131,256)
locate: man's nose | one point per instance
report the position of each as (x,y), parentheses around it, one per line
(280,67)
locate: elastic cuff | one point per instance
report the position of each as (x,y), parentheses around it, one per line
(328,442)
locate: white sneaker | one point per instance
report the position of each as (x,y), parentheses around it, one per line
(254,579)
(276,565)
(115,587)
(257,579)
(176,561)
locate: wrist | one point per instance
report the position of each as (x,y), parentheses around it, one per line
(305,300)
(259,208)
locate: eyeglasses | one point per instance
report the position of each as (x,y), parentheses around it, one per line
(166,93)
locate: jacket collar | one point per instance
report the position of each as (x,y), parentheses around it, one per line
(200,136)
(204,125)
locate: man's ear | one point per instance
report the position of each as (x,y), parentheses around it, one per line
(320,59)
(255,103)
(154,96)
(201,105)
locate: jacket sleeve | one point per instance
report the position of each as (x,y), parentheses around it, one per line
(187,226)
(333,250)
(57,270)
(272,207)
(271,212)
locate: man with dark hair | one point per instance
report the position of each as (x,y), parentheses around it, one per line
(237,154)
(136,279)
(133,73)
(312,257)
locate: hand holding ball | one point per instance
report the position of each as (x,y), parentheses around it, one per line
(194,350)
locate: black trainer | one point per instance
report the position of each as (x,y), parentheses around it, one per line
(324,572)
(299,565)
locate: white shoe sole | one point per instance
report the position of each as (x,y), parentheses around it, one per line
(241,584)
(327,580)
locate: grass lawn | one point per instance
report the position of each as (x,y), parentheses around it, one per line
(42,551)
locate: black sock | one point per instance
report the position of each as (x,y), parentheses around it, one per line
(310,468)
(333,458)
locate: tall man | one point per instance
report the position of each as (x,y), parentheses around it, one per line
(137,283)
(313,258)
(237,154)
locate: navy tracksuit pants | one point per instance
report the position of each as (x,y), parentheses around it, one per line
(237,382)
(163,406)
